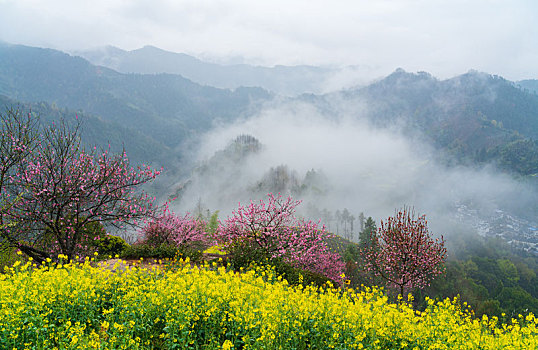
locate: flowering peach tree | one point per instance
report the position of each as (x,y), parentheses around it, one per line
(404,254)
(172,229)
(61,188)
(18,139)
(272,229)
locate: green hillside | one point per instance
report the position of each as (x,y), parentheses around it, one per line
(165,107)
(475,117)
(99,132)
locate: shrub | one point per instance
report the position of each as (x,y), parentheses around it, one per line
(143,250)
(296,276)
(243,254)
(162,251)
(110,245)
(8,256)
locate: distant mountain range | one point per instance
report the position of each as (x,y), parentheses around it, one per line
(167,109)
(284,80)
(529,84)
(473,118)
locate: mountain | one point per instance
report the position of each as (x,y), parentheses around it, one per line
(166,108)
(98,132)
(530,85)
(286,80)
(474,117)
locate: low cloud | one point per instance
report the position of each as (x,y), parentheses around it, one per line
(368,169)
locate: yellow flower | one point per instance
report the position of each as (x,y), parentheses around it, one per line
(227,345)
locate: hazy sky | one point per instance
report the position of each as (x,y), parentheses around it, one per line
(445,38)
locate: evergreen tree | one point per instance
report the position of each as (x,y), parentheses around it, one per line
(367,234)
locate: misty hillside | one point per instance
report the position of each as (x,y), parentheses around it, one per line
(226,178)
(287,80)
(167,108)
(529,84)
(140,148)
(474,117)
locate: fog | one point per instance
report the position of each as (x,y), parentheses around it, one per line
(442,37)
(367,169)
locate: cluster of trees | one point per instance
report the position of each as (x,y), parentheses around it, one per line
(519,156)
(485,272)
(52,188)
(343,222)
(490,276)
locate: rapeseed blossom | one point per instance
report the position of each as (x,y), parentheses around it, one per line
(80,306)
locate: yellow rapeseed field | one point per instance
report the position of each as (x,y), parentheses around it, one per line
(85,306)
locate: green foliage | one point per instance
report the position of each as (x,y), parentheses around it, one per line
(296,276)
(8,255)
(245,256)
(351,253)
(489,277)
(508,270)
(520,156)
(109,245)
(244,253)
(193,251)
(366,235)
(213,223)
(162,251)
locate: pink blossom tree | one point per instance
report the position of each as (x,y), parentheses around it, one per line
(272,229)
(171,229)
(404,254)
(62,188)
(18,139)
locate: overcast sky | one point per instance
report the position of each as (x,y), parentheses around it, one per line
(445,38)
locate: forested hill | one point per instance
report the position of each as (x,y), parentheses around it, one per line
(475,117)
(98,132)
(530,85)
(165,107)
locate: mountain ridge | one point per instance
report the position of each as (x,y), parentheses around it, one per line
(287,80)
(475,117)
(167,108)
